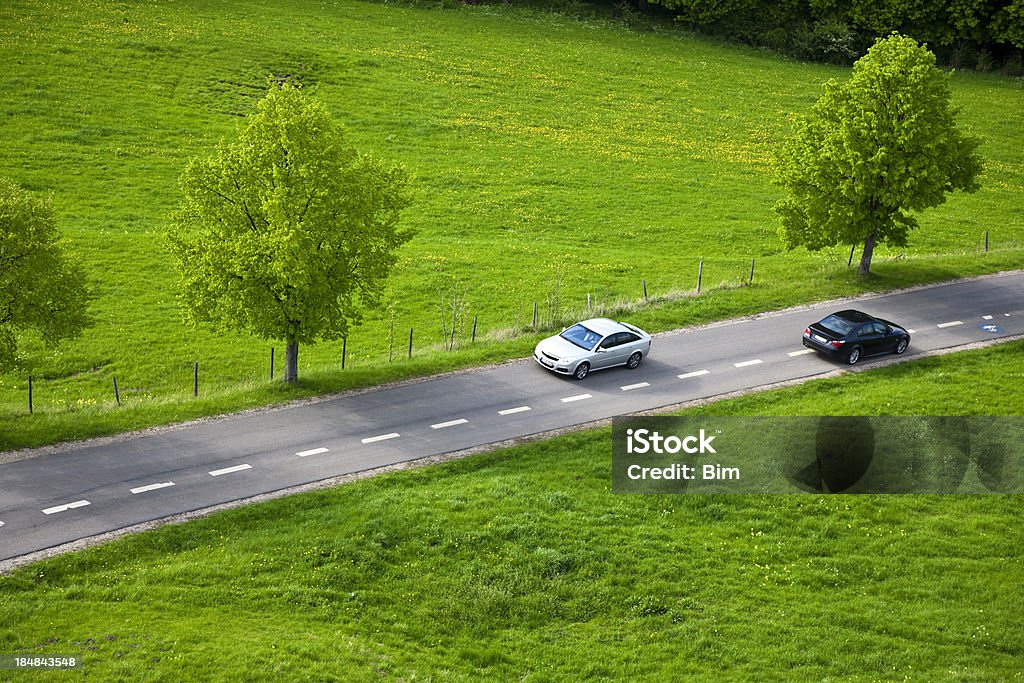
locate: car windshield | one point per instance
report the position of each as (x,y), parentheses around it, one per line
(837,325)
(581,336)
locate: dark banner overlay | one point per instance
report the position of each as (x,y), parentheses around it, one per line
(696,454)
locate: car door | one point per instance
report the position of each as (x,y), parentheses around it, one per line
(886,339)
(625,345)
(630,344)
(603,352)
(870,338)
(611,350)
(889,338)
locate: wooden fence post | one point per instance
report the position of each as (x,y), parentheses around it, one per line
(700,274)
(344,350)
(30,394)
(195,379)
(271,362)
(751,271)
(473,338)
(117,394)
(410,342)
(644,280)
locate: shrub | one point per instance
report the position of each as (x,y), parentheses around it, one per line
(985,62)
(828,40)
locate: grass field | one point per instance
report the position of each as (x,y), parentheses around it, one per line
(554,158)
(521,564)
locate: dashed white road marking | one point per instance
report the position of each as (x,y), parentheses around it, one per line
(696,373)
(986,317)
(638,385)
(450,423)
(312,451)
(950,324)
(748,363)
(229,470)
(512,411)
(1,523)
(578,397)
(382,437)
(801,352)
(64,508)
(152,487)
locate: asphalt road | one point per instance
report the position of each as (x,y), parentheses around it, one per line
(55,498)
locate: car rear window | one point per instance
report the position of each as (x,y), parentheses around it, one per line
(837,325)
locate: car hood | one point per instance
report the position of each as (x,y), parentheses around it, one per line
(560,348)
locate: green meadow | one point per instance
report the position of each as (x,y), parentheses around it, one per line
(521,564)
(554,158)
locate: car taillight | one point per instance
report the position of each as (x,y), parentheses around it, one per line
(836,344)
(807,332)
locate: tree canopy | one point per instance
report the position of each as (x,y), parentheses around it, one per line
(871,151)
(287,231)
(966,33)
(42,289)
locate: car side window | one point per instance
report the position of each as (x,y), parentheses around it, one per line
(866,330)
(617,339)
(629,338)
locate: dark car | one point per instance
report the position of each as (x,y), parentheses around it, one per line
(852,335)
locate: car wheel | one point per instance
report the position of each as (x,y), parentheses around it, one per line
(902,346)
(634,360)
(853,357)
(581,370)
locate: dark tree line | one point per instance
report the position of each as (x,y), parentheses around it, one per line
(965,34)
(962,33)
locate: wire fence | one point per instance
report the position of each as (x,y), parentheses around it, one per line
(544,315)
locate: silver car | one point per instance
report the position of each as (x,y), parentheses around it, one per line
(593,345)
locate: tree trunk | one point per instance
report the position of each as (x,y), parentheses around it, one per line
(865,258)
(291,363)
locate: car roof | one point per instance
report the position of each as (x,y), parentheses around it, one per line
(853,316)
(604,326)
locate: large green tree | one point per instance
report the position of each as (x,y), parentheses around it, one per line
(287,232)
(873,150)
(42,289)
